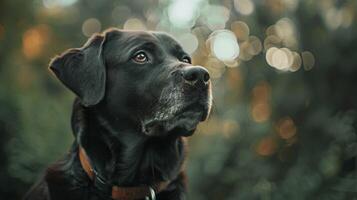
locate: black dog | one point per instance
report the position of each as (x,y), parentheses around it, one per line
(138,97)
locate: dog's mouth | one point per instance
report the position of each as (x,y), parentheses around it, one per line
(182,123)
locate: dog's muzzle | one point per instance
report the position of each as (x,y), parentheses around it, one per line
(183,103)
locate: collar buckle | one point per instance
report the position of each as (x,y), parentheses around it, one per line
(152,195)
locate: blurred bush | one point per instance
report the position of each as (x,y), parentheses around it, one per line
(284,120)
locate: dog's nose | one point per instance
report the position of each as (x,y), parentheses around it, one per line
(194,74)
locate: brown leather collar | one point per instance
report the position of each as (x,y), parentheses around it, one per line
(122,193)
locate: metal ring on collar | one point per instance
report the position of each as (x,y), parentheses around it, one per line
(152,194)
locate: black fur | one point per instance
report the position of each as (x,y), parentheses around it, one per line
(131,118)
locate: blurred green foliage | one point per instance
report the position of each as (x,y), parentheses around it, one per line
(275,132)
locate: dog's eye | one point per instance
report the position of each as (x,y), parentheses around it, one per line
(140,57)
(186,59)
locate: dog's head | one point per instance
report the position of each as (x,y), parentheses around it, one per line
(142,76)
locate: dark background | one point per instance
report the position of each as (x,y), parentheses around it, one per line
(284,119)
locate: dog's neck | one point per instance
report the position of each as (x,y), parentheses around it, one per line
(124,155)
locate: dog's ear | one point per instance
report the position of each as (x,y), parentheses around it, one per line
(82,70)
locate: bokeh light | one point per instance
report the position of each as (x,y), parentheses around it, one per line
(255,45)
(334,18)
(217,20)
(90,26)
(232,63)
(261,112)
(308,60)
(244,51)
(260,106)
(286,128)
(244,7)
(224,45)
(188,41)
(286,31)
(215,67)
(34,40)
(283,59)
(271,41)
(229,128)
(134,24)
(266,146)
(183,13)
(296,62)
(240,29)
(152,16)
(57,3)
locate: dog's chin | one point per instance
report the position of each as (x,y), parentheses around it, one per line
(182,124)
